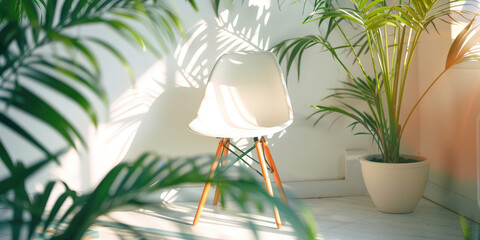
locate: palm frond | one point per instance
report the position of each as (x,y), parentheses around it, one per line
(19,173)
(40,24)
(461,49)
(127,184)
(294,48)
(359,118)
(362,89)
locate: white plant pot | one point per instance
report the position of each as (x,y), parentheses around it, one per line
(395,187)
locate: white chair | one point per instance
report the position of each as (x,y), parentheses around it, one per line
(245,97)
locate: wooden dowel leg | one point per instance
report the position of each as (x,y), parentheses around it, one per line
(276,176)
(224,159)
(268,185)
(206,189)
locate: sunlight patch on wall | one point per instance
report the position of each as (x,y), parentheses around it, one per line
(263,7)
(183,48)
(235,31)
(462,21)
(110,141)
(67,171)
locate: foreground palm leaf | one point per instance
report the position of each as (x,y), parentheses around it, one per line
(27,29)
(127,184)
(30,26)
(388,34)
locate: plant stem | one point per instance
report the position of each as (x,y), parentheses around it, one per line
(385,32)
(361,66)
(404,77)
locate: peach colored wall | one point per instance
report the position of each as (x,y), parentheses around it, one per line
(448,118)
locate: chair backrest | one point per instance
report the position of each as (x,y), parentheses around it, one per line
(246,89)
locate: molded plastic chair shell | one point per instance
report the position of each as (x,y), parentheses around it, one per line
(245,96)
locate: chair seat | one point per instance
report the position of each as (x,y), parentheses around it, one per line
(212,129)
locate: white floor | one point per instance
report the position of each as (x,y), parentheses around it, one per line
(337,218)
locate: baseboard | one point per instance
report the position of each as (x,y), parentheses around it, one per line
(351,185)
(453,201)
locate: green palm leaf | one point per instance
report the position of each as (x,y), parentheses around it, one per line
(25,100)
(12,125)
(292,49)
(19,173)
(127,183)
(24,32)
(57,72)
(65,89)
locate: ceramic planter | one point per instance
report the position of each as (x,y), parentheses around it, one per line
(395,187)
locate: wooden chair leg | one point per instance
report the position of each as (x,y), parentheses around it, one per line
(206,189)
(224,160)
(276,176)
(268,185)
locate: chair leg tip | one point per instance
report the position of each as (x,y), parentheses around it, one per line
(195,221)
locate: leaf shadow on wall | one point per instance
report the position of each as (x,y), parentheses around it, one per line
(164,127)
(154,114)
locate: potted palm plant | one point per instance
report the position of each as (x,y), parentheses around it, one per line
(386,35)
